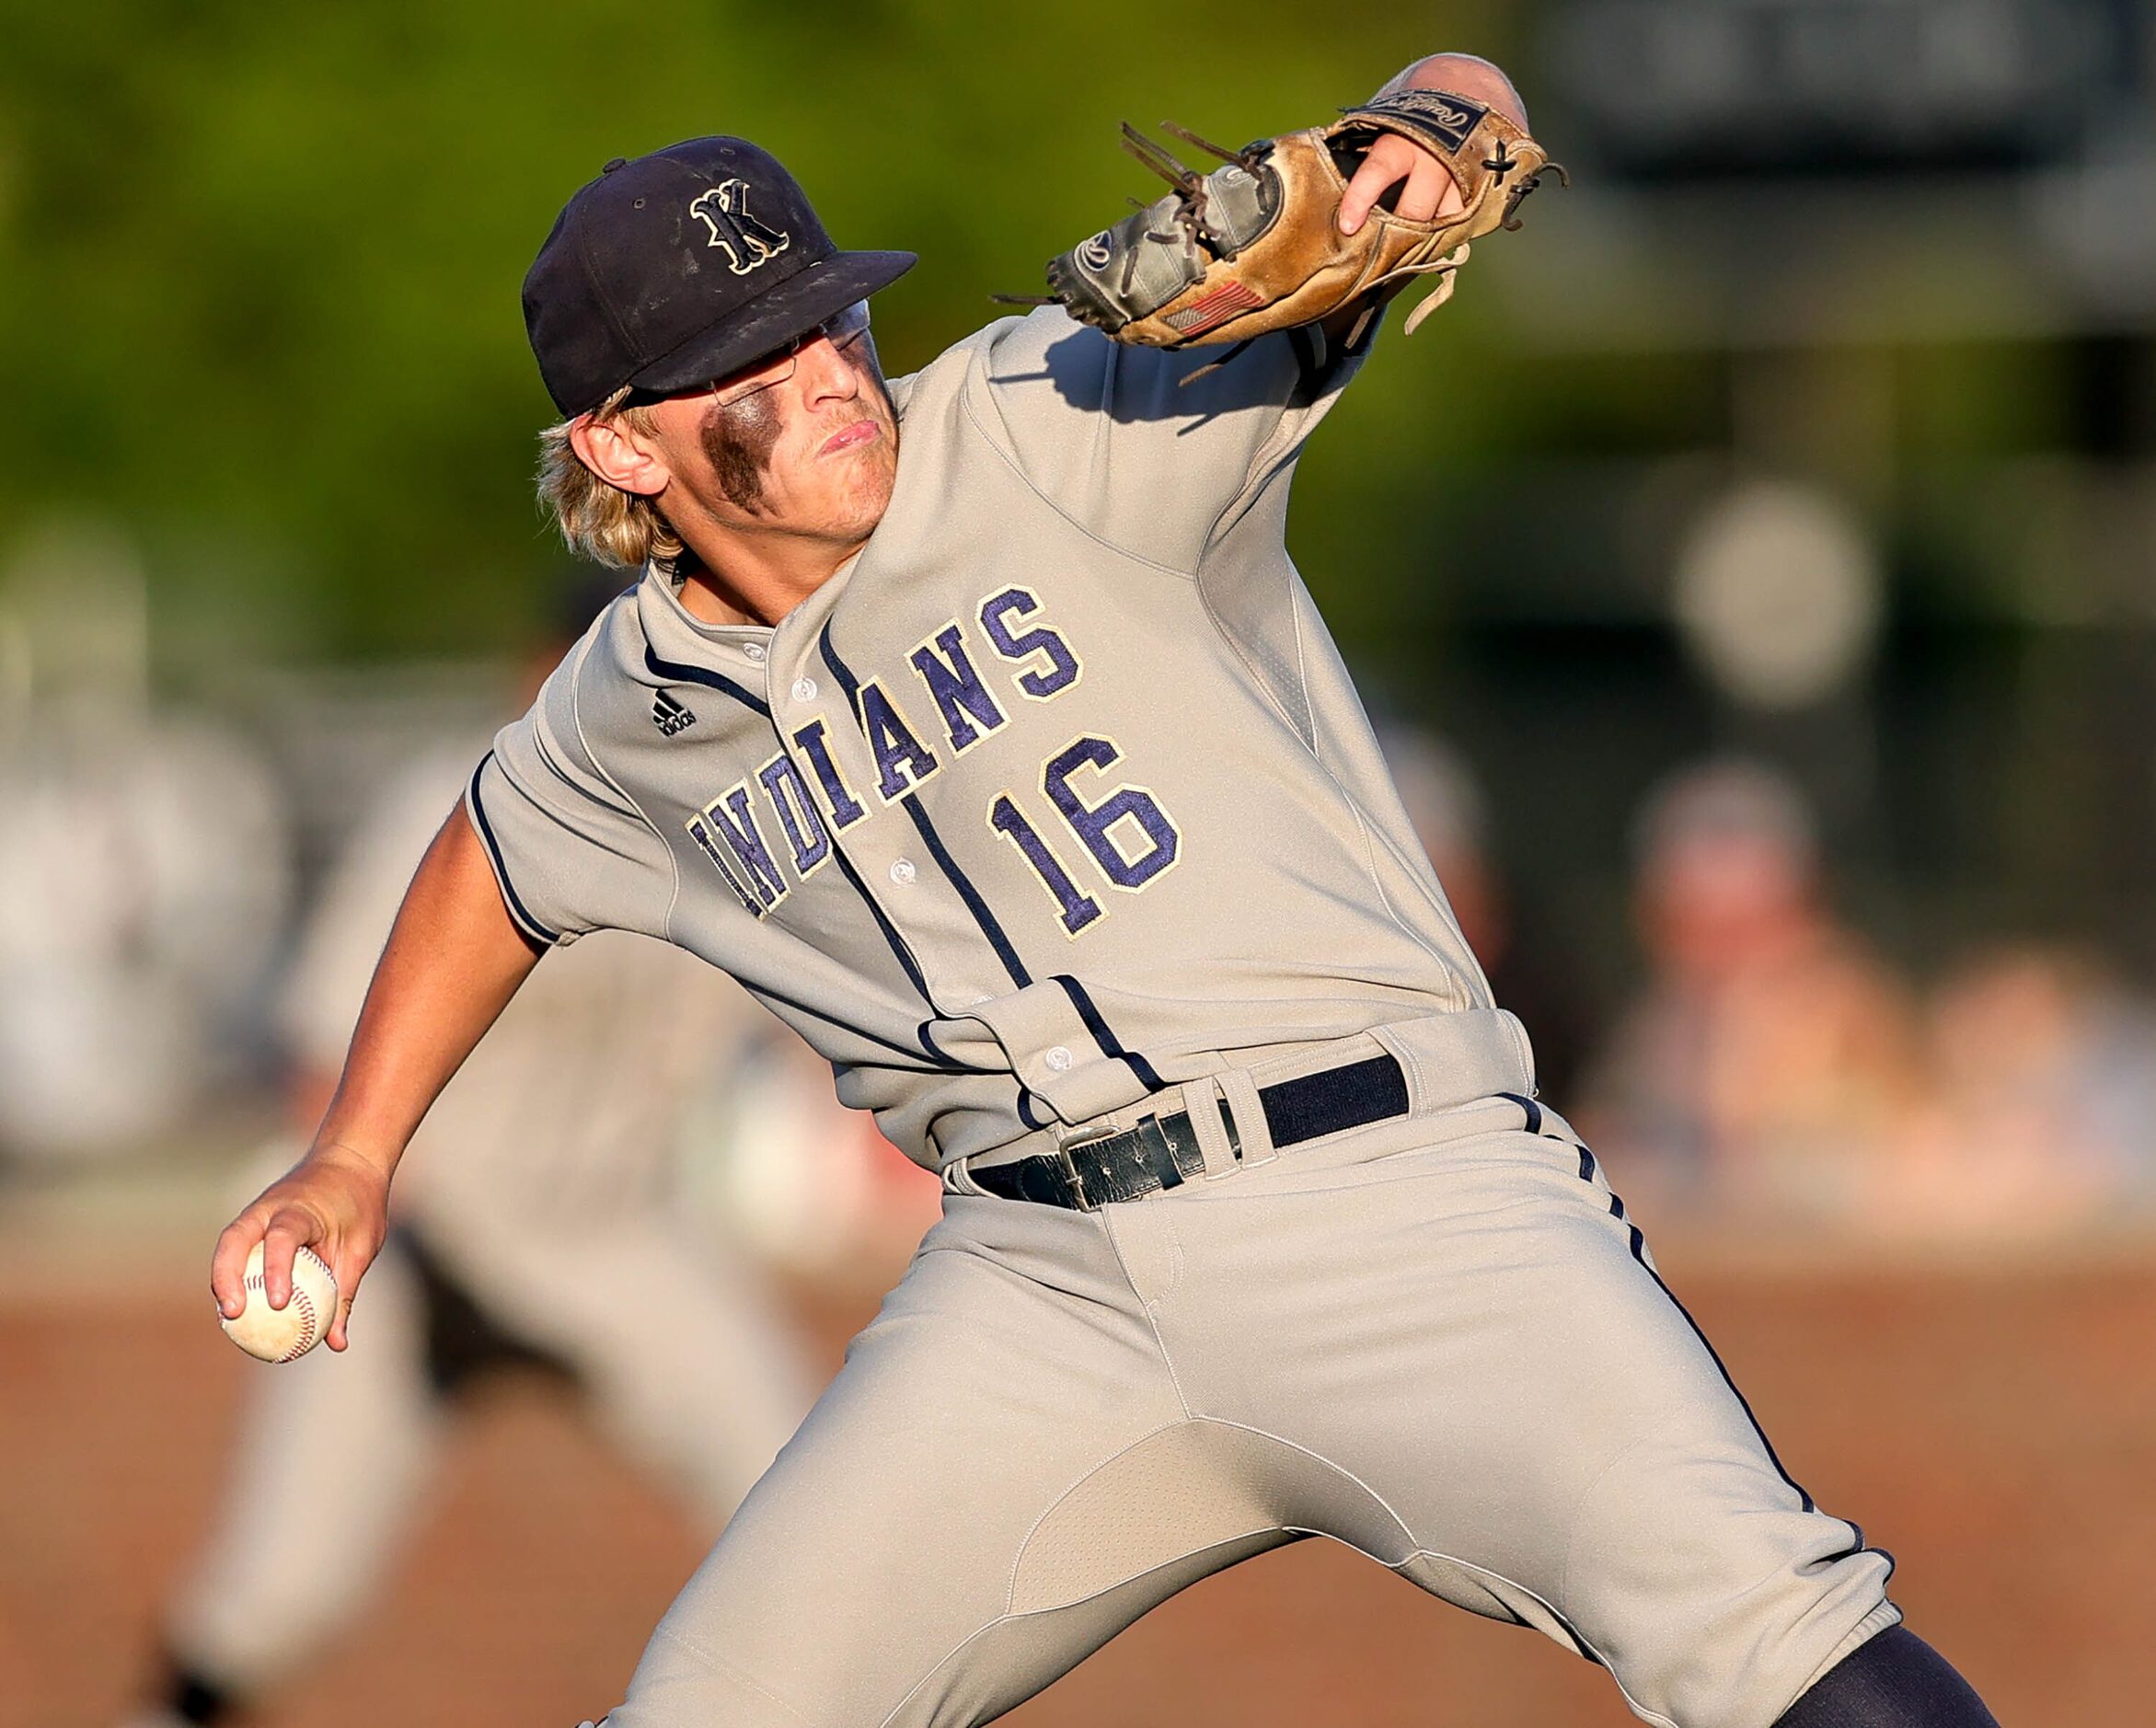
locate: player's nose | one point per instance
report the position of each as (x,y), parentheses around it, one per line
(825,373)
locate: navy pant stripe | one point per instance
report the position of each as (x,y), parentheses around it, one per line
(1639,1253)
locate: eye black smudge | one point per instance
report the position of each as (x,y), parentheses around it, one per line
(738,440)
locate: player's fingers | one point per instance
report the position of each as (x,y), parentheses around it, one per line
(1430,189)
(228,1263)
(335,1337)
(1387,162)
(289,1231)
(348,1269)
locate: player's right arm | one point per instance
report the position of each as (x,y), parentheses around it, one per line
(454,959)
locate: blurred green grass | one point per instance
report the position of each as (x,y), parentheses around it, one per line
(259,268)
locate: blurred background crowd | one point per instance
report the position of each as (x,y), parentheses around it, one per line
(1752,571)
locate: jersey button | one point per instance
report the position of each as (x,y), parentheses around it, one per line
(754,651)
(805,689)
(901,871)
(1058,1058)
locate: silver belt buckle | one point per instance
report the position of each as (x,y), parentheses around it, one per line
(1070,1170)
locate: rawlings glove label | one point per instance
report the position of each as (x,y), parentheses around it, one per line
(1442,119)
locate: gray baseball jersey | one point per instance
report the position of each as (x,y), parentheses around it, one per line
(1058,795)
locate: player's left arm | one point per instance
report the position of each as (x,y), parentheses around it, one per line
(1426,186)
(1152,445)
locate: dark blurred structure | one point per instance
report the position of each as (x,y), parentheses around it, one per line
(1826,436)
(1692,89)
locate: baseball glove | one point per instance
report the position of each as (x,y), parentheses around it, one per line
(1255,246)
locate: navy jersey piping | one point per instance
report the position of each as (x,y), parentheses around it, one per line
(677,671)
(974,902)
(1105,1036)
(528,925)
(891,935)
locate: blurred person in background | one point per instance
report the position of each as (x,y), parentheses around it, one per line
(1451,818)
(1771,1058)
(146,866)
(2042,1111)
(540,1233)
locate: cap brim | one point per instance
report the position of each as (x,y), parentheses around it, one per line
(774,318)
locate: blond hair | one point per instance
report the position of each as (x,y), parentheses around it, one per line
(599,520)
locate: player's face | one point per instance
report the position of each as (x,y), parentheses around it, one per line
(804,444)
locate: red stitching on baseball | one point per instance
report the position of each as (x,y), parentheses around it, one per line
(312,1329)
(306,1338)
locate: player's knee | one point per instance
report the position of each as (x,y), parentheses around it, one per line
(1894,1680)
(1707,1619)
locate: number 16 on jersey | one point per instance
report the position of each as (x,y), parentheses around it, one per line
(1130,837)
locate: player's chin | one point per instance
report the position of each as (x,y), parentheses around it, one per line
(863,478)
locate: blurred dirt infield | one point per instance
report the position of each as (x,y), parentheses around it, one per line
(1995,1428)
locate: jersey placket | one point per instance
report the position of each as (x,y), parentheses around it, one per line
(1046,1026)
(879,843)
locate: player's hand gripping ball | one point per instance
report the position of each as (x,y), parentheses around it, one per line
(287,1334)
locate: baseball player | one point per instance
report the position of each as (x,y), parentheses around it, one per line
(542,1230)
(1020,774)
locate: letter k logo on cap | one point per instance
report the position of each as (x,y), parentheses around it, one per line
(724,211)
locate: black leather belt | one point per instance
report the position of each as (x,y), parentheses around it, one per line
(1163,1151)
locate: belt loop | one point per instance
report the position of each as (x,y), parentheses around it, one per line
(1201,1103)
(958,1178)
(1239,1093)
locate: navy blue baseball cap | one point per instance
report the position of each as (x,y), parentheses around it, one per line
(682,266)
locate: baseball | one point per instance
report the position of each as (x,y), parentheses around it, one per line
(282,1335)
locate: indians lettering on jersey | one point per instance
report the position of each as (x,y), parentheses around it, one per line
(782,816)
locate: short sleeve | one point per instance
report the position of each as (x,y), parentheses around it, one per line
(571,850)
(1144,447)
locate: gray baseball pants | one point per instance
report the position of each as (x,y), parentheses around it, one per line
(1436,1339)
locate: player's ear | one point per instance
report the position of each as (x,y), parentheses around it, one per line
(618,453)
